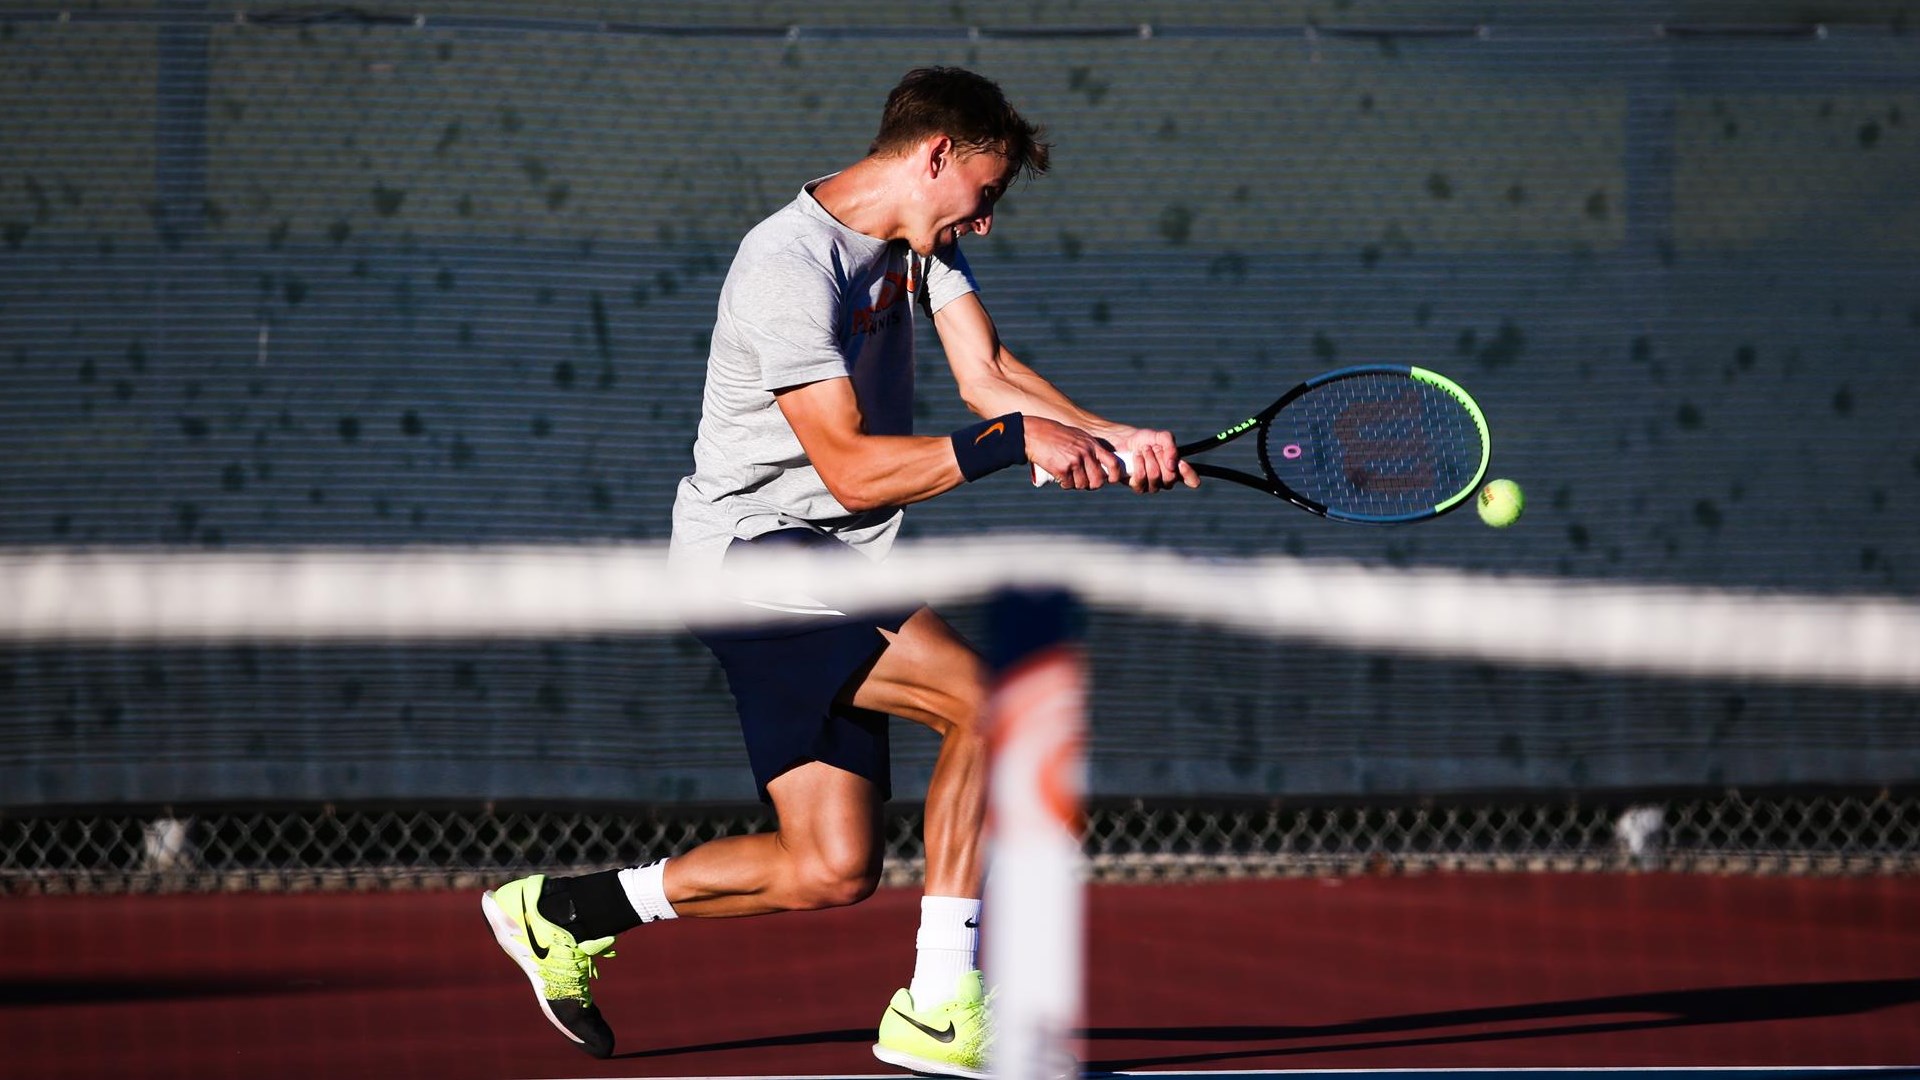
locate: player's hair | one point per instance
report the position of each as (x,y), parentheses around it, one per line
(966,107)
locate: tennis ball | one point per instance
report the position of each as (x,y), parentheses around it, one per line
(1500,503)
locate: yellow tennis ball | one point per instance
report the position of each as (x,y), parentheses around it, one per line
(1501,502)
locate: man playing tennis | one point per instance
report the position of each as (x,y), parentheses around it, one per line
(805,440)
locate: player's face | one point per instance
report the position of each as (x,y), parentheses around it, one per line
(965,193)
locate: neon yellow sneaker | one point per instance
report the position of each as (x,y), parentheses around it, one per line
(948,1040)
(559,966)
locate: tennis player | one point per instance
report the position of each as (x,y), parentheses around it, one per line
(805,441)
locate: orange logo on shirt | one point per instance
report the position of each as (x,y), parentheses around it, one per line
(893,289)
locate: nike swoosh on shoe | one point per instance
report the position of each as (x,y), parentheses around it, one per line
(945,1036)
(539,950)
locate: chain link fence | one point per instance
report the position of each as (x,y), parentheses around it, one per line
(339,848)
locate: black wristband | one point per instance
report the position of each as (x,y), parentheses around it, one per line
(990,445)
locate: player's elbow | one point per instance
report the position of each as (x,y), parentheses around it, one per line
(978,395)
(856,474)
(862,504)
(973,399)
(858,495)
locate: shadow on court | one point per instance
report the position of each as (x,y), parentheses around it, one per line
(1670,1009)
(119,989)
(1583,1016)
(766,1042)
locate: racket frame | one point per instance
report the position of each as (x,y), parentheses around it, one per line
(1271,483)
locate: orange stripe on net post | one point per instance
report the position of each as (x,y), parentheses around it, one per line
(1034,925)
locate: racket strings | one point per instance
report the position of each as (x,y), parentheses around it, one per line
(1375,446)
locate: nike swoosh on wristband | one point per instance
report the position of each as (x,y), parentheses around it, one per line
(997,429)
(539,951)
(932,1033)
(972,924)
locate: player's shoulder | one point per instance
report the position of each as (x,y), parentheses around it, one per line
(788,227)
(792,252)
(786,239)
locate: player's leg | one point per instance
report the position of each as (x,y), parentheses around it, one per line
(820,761)
(930,675)
(826,852)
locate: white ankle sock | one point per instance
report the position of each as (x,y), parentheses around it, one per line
(646,889)
(948,944)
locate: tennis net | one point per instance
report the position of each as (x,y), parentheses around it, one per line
(379,718)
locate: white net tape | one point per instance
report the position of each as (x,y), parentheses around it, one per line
(481,592)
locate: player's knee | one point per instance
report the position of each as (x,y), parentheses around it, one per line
(961,710)
(838,882)
(847,890)
(969,719)
(839,870)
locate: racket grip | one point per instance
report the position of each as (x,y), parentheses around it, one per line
(1042,477)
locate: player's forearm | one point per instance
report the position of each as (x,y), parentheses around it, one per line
(864,472)
(1024,391)
(994,382)
(872,472)
(1012,386)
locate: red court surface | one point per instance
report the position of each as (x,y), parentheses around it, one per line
(1434,971)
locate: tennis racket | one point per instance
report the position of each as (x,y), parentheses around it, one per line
(1377,444)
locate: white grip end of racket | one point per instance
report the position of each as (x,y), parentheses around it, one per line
(1042,477)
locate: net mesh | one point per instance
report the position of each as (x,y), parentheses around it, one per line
(1722,732)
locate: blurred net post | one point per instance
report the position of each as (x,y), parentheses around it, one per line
(1035,920)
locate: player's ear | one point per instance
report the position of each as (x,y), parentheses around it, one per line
(937,152)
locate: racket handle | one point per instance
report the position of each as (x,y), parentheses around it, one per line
(1042,477)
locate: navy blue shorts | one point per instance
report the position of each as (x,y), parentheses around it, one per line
(787,681)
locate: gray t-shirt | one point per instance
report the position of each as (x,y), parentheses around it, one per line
(806,299)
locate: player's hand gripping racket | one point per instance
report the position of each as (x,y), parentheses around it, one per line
(1379,444)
